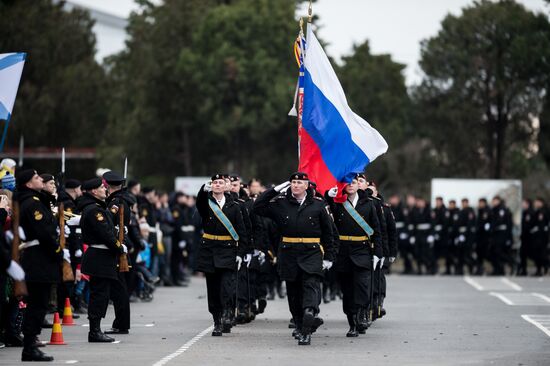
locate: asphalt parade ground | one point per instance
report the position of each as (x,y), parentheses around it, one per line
(430,321)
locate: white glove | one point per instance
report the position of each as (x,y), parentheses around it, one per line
(66,255)
(239,262)
(375,261)
(248,259)
(22,236)
(333,192)
(462,238)
(15,271)
(403,236)
(282,187)
(208,186)
(487,226)
(67,231)
(124,249)
(74,221)
(412,240)
(327,265)
(391,259)
(261,258)
(430,239)
(182,244)
(78,253)
(382,261)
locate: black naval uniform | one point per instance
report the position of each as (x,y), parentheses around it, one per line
(526,248)
(100,260)
(465,240)
(423,238)
(483,237)
(119,290)
(402,222)
(216,257)
(307,239)
(389,251)
(440,217)
(539,235)
(501,244)
(41,261)
(354,260)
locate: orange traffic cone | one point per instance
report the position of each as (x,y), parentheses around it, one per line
(68,313)
(57,333)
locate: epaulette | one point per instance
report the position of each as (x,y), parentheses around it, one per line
(35,198)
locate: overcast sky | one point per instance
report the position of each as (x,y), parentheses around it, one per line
(391,26)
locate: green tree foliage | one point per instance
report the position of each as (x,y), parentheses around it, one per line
(485,77)
(205,86)
(62,90)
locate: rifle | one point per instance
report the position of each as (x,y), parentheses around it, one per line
(68,275)
(123,265)
(19,287)
(123,259)
(371,285)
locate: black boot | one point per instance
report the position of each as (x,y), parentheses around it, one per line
(317,322)
(352,332)
(326,297)
(13,340)
(95,335)
(361,324)
(296,334)
(304,340)
(226,321)
(291,323)
(218,330)
(34,354)
(308,320)
(262,303)
(31,352)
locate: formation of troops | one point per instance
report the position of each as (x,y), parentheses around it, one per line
(308,235)
(465,240)
(108,240)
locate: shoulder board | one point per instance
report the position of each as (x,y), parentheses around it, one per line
(318,198)
(35,198)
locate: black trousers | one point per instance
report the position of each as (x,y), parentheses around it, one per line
(64,290)
(247,286)
(303,293)
(220,288)
(100,292)
(37,307)
(355,286)
(121,302)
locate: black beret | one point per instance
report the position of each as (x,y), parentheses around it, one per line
(146,190)
(234,178)
(299,176)
(72,183)
(132,183)
(23,176)
(92,184)
(46,177)
(217,176)
(113,178)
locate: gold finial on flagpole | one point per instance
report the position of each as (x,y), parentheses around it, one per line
(310,12)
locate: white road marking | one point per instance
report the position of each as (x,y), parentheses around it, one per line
(541,296)
(183,348)
(71,361)
(502,297)
(540,321)
(470,281)
(513,285)
(522,299)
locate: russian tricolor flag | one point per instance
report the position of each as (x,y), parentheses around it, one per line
(335,143)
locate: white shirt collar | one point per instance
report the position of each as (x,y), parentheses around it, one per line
(302,200)
(355,200)
(221,202)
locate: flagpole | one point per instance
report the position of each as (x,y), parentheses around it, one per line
(21,150)
(4,133)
